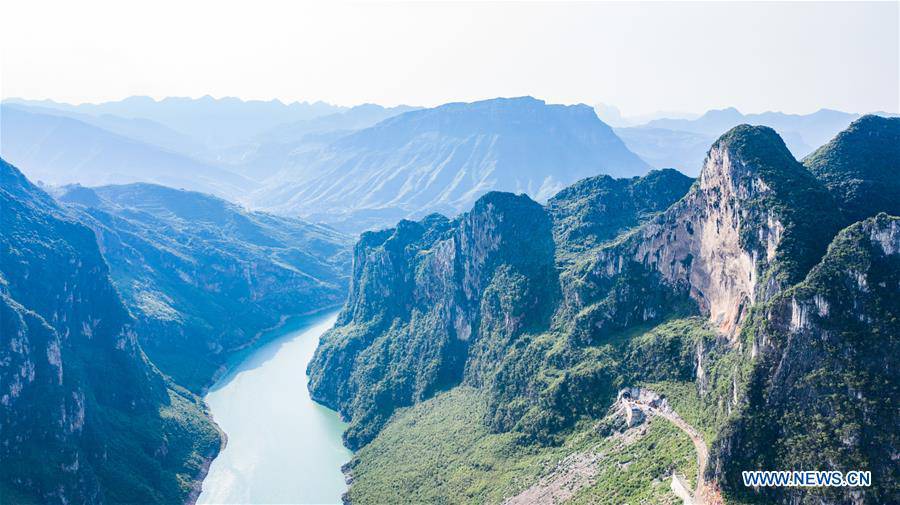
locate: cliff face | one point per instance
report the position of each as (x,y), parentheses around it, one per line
(549,343)
(422,296)
(84,417)
(436,303)
(754,222)
(820,393)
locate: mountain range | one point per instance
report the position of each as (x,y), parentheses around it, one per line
(583,350)
(356,168)
(58,150)
(679,142)
(443,159)
(210,122)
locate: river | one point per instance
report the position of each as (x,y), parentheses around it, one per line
(282,446)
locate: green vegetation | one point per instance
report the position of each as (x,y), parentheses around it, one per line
(84,416)
(861,167)
(205,277)
(595,210)
(184,441)
(439,451)
(641,472)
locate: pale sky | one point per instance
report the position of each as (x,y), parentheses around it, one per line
(641,57)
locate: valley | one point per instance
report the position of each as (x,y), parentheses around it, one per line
(478,356)
(449,253)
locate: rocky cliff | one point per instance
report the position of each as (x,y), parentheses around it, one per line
(438,302)
(827,354)
(84,416)
(549,341)
(754,222)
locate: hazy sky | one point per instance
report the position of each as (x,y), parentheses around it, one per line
(641,57)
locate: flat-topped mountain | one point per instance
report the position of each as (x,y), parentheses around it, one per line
(443,159)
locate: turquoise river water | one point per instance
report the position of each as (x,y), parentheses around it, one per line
(282,447)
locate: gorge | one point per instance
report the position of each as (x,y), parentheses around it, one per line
(477,355)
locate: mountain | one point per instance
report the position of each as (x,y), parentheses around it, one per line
(662,148)
(594,210)
(611,115)
(60,150)
(209,121)
(140,129)
(443,159)
(84,416)
(679,142)
(489,272)
(860,166)
(354,118)
(594,351)
(204,277)
(802,132)
(274,149)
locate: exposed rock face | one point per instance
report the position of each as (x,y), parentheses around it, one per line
(819,397)
(84,417)
(722,242)
(491,271)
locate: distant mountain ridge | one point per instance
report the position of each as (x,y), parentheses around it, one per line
(58,150)
(214,122)
(679,142)
(811,130)
(353,118)
(443,159)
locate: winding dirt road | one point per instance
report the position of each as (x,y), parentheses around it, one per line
(705,492)
(578,470)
